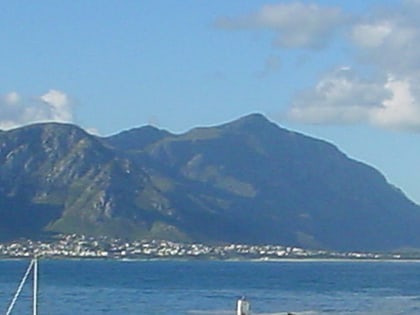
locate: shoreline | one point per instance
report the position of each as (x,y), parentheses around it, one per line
(194,259)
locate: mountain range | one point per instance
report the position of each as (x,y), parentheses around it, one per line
(246,181)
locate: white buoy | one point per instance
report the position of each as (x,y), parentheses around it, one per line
(243,307)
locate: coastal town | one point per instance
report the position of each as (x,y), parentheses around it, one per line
(80,246)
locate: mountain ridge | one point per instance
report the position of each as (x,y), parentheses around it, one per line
(248,180)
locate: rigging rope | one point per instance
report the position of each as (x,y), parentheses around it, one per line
(12,304)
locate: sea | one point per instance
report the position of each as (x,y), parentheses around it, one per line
(171,287)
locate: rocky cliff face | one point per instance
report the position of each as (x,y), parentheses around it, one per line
(247,181)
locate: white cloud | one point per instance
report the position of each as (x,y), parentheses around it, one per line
(297,25)
(371,35)
(342,97)
(391,44)
(16,110)
(401,111)
(387,95)
(59,105)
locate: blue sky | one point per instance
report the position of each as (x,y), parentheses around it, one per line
(344,71)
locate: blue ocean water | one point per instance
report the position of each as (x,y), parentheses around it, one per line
(212,287)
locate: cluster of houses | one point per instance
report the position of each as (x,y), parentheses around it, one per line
(80,246)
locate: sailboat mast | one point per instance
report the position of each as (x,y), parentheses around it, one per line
(20,287)
(35,288)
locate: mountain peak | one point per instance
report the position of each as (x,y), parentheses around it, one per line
(251,119)
(255,123)
(137,138)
